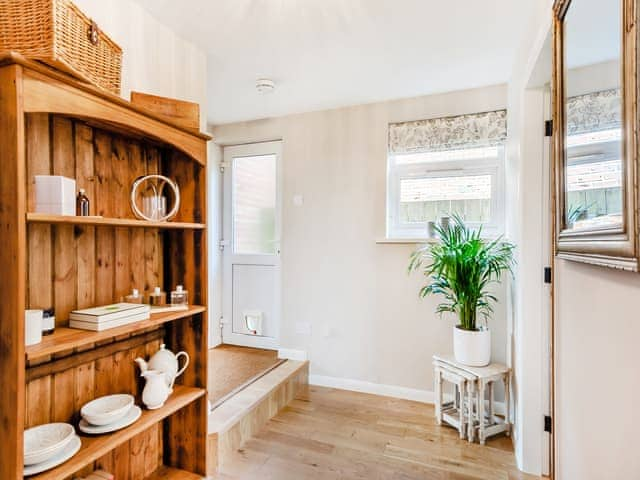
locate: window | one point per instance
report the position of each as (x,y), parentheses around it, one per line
(423,187)
(436,171)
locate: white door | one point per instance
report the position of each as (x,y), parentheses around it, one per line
(251,245)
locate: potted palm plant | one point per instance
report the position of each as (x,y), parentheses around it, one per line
(461,266)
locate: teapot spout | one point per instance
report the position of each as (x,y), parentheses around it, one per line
(144,366)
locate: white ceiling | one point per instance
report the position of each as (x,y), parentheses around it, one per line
(331,53)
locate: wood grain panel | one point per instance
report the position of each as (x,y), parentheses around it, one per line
(40,270)
(38,402)
(180,112)
(85,177)
(84,386)
(120,191)
(103,173)
(182,172)
(64,257)
(137,167)
(63,406)
(38,153)
(152,237)
(85,235)
(105,237)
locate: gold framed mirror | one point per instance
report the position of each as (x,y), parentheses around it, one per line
(594,130)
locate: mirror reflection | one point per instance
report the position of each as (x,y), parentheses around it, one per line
(593,114)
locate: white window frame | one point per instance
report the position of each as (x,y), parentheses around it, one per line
(493,166)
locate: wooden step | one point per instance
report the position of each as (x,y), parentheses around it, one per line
(241,416)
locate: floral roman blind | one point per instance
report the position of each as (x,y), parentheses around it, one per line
(450,133)
(594,112)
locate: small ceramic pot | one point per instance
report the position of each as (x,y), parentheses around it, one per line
(472,347)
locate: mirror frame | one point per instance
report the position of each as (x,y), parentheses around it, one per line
(611,247)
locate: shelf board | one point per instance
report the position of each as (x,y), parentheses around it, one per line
(110,222)
(94,447)
(169,473)
(65,338)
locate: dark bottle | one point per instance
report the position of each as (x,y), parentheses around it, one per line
(48,321)
(82,204)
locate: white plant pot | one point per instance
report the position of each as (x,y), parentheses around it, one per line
(472,348)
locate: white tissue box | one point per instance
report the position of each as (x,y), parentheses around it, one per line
(55,195)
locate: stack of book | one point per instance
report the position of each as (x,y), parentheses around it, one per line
(108,316)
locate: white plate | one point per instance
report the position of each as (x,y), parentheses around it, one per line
(69,451)
(46,441)
(108,409)
(131,416)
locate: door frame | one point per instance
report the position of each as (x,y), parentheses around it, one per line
(548,253)
(226,245)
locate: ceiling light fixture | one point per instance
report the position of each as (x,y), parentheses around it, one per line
(264,85)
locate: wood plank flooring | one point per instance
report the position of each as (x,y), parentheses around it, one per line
(231,366)
(336,434)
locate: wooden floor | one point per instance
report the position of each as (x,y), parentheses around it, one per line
(335,434)
(231,367)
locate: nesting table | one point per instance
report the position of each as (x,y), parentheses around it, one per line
(469,411)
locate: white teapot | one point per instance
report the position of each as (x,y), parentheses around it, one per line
(164,361)
(156,391)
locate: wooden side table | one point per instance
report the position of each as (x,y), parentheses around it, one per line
(482,380)
(469,401)
(454,413)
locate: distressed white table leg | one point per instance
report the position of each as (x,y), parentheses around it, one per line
(461,389)
(438,392)
(491,409)
(470,403)
(481,436)
(455,396)
(507,399)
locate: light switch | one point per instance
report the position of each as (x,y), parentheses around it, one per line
(298,200)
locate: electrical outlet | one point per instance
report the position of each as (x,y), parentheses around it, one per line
(298,200)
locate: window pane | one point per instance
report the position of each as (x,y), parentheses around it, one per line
(254,204)
(427,198)
(594,179)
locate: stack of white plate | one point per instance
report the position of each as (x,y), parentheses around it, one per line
(108,414)
(47,446)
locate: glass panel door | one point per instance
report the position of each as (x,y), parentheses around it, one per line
(251,259)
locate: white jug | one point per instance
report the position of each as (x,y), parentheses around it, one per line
(155,391)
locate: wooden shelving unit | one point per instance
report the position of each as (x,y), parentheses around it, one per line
(110,222)
(51,124)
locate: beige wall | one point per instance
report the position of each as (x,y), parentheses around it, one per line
(155,59)
(368,323)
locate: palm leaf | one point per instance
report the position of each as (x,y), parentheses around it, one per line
(460,268)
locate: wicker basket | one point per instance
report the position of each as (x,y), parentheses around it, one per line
(56,32)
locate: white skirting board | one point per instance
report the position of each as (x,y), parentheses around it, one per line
(424,396)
